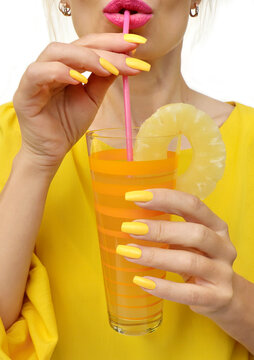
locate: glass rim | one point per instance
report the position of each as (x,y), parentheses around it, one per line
(90,133)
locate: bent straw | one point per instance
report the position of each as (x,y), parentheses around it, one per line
(126,94)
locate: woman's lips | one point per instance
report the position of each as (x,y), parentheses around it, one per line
(140,6)
(142,16)
(136,20)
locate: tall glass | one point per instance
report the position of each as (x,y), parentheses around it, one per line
(131,310)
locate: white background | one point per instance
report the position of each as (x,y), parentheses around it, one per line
(220,65)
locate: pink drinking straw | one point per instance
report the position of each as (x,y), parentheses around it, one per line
(126,94)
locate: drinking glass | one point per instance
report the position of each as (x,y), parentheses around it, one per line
(131,310)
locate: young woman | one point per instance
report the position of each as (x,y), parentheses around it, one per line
(52,303)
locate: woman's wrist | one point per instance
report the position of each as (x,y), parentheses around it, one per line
(238,318)
(25,161)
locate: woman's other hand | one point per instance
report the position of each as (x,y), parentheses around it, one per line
(199,249)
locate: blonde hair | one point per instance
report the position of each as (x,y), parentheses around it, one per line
(61,28)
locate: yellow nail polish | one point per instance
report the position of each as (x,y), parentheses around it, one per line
(129,251)
(77,76)
(109,67)
(142,195)
(133,52)
(135,38)
(135,227)
(138,64)
(144,282)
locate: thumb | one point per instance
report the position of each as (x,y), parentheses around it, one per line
(91,95)
(98,86)
(86,100)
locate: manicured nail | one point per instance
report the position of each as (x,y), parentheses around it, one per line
(135,38)
(129,251)
(144,282)
(142,195)
(108,66)
(77,76)
(133,52)
(135,227)
(138,64)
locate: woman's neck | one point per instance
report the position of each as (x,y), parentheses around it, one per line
(163,85)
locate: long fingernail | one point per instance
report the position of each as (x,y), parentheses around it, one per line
(129,251)
(135,227)
(144,282)
(138,64)
(135,38)
(141,195)
(77,76)
(109,67)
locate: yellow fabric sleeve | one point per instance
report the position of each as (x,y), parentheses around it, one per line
(34,335)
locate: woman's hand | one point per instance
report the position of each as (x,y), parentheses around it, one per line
(200,250)
(53,109)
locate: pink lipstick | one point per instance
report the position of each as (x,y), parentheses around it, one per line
(140,12)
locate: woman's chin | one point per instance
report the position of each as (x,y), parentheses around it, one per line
(148,54)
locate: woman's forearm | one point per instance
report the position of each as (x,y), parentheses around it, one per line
(238,319)
(21,208)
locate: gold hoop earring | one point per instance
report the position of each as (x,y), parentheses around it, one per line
(64,8)
(196,11)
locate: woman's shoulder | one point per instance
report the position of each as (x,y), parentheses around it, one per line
(7,109)
(8,117)
(222,111)
(231,110)
(244,111)
(9,125)
(240,120)
(10,139)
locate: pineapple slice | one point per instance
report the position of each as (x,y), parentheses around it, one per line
(208,159)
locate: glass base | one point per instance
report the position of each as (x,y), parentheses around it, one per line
(127,327)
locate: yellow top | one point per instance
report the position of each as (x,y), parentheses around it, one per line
(67,246)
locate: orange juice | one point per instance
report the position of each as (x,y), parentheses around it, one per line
(131,310)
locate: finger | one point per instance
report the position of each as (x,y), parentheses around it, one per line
(199,237)
(188,294)
(84,59)
(181,261)
(119,61)
(188,206)
(106,41)
(39,76)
